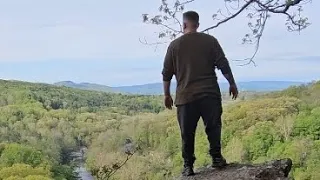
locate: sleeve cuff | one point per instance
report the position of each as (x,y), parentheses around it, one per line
(165,78)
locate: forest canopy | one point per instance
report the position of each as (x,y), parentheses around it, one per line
(41,125)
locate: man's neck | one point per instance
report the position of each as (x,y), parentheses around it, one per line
(189,31)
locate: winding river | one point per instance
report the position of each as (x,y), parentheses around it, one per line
(81,170)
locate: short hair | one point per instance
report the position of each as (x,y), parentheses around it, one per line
(191,16)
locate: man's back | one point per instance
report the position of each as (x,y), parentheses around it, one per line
(193,58)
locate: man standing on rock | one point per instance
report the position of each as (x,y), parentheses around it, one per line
(192,58)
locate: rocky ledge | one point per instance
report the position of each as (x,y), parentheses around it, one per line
(273,170)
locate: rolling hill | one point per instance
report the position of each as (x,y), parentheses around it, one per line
(85,86)
(156,88)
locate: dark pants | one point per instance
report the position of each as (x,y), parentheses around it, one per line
(210,109)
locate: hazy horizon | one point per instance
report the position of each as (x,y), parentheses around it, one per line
(148,83)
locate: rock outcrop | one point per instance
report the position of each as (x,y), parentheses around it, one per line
(273,170)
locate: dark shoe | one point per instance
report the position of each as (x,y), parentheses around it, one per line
(187,171)
(219,162)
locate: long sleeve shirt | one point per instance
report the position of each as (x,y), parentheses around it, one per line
(193,58)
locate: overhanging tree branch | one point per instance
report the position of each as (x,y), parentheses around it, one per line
(230,17)
(258,11)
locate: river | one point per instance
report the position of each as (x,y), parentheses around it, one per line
(81,170)
(83,173)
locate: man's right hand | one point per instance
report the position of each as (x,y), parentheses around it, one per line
(168,102)
(233,90)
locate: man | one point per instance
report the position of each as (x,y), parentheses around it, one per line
(192,58)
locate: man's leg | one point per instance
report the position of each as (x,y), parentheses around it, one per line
(211,111)
(188,117)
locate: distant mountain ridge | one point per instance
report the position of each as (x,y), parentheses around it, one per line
(85,86)
(156,88)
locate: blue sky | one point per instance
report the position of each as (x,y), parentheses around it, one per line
(98,41)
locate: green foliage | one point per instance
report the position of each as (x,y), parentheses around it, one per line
(259,139)
(15,154)
(235,150)
(256,130)
(62,172)
(30,177)
(308,124)
(42,125)
(56,121)
(23,171)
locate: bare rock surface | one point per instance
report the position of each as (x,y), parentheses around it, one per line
(273,170)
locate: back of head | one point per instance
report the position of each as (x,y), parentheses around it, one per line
(190,21)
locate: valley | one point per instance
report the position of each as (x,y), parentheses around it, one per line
(42,125)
